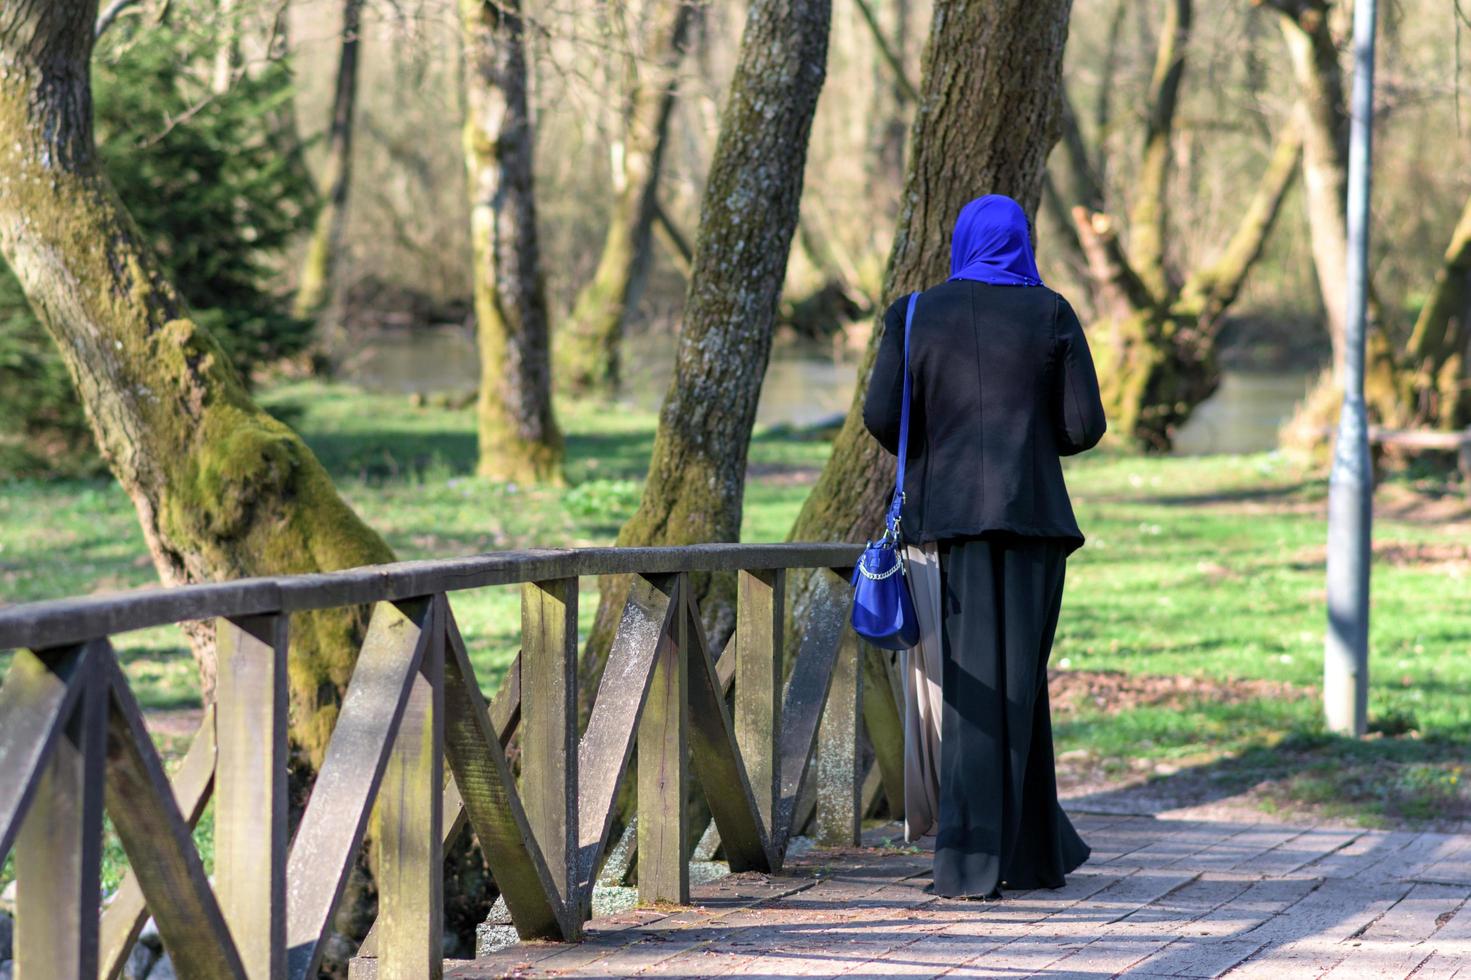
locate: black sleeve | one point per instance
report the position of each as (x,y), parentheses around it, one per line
(881,404)
(1080,420)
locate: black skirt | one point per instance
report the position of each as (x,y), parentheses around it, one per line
(1000,825)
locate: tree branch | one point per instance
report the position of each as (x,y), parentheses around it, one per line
(1108,267)
(112,13)
(1103,106)
(911,94)
(1085,188)
(1147,220)
(1210,291)
(674,240)
(1052,203)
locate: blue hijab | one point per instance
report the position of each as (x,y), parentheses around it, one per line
(991,244)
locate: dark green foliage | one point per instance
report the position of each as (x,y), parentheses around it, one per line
(41,423)
(217,184)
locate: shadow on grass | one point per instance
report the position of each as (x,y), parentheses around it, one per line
(380,456)
(1393,777)
(385,455)
(1238,496)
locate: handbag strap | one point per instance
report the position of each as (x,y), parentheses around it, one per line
(897,502)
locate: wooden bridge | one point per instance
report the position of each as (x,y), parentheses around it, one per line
(774,747)
(73,744)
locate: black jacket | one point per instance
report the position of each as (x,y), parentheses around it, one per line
(1004,385)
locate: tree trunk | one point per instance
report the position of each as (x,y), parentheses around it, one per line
(1440,346)
(958,149)
(1323,114)
(315,287)
(227,52)
(222,489)
(1324,120)
(1147,220)
(1156,358)
(519,437)
(588,348)
(1156,335)
(697,474)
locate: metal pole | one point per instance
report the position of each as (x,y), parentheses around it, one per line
(1350,492)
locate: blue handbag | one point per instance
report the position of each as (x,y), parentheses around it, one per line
(883,609)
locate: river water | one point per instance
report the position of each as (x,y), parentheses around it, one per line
(805,385)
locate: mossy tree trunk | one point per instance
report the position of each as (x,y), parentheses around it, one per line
(314,289)
(1148,218)
(1156,353)
(519,437)
(1155,329)
(222,489)
(588,343)
(697,475)
(958,149)
(1322,112)
(1439,351)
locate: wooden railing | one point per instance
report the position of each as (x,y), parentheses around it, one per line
(73,745)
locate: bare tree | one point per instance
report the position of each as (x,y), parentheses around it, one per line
(1425,382)
(588,344)
(958,150)
(519,437)
(314,288)
(1157,330)
(222,489)
(697,475)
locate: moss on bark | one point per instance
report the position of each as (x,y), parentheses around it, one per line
(314,286)
(697,473)
(588,358)
(222,490)
(518,434)
(954,155)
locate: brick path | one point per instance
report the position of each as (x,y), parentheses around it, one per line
(1160,898)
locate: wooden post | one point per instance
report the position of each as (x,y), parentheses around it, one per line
(549,770)
(758,677)
(884,724)
(250,788)
(663,772)
(58,851)
(408,816)
(838,779)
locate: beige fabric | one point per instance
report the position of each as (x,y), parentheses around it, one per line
(923,697)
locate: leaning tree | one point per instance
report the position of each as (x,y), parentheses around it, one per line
(588,356)
(697,474)
(519,436)
(1154,332)
(1427,380)
(960,146)
(222,489)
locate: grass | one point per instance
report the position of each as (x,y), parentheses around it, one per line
(1207,568)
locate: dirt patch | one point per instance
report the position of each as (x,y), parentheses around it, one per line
(1401,503)
(1450,557)
(1112,690)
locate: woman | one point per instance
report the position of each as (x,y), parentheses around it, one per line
(1003,387)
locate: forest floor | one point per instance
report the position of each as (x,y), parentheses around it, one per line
(1186,670)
